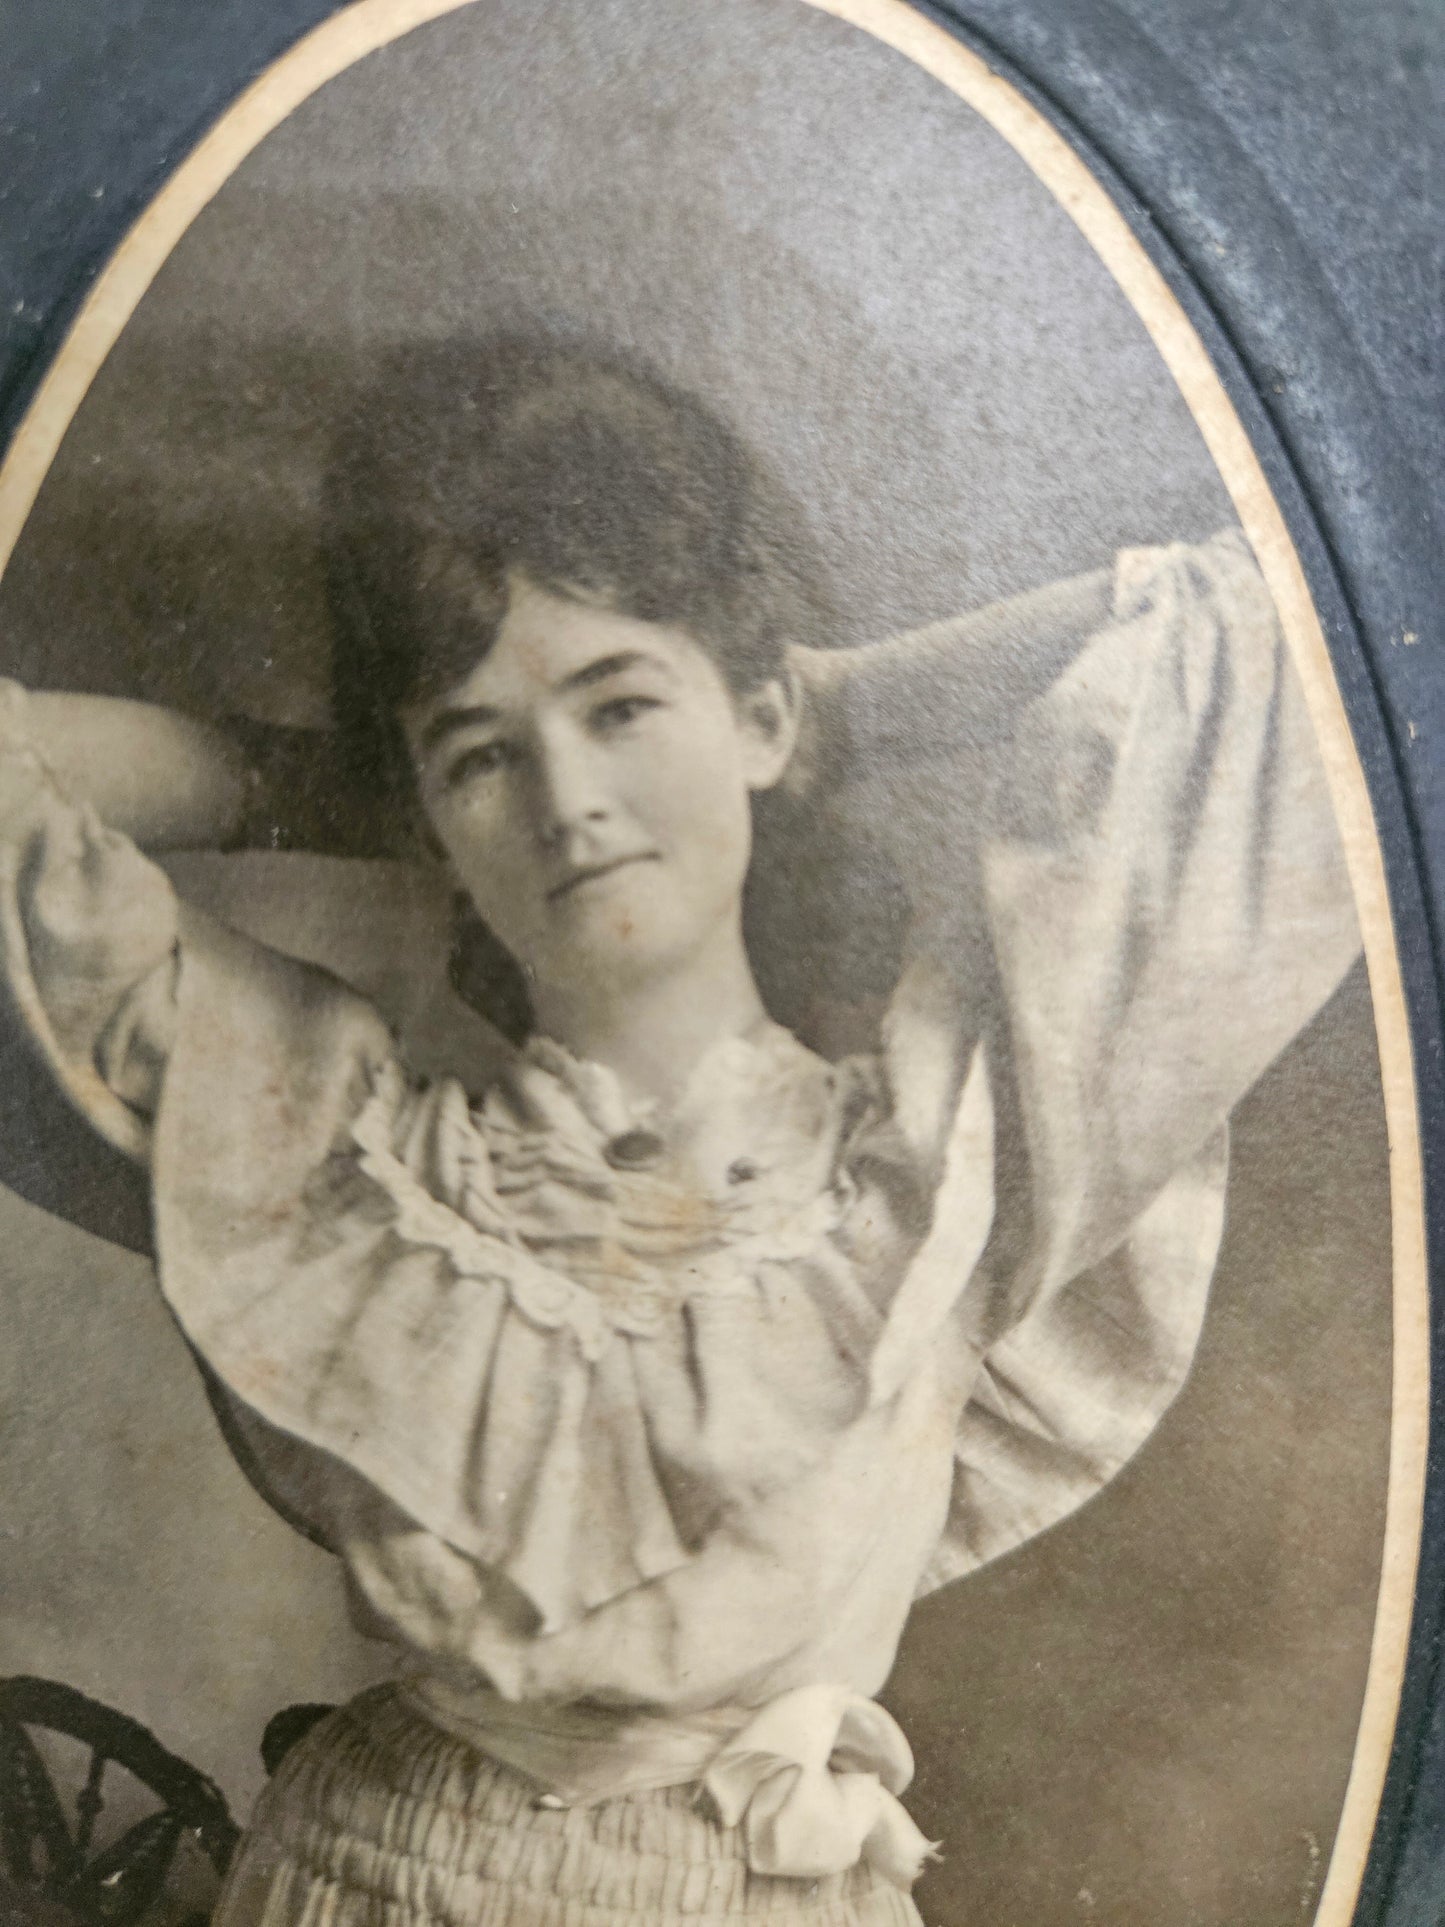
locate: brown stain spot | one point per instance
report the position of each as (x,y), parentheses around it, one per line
(260,1376)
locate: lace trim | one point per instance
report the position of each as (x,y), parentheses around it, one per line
(542,1296)
(635,1307)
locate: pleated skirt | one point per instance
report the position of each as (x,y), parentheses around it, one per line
(379,1819)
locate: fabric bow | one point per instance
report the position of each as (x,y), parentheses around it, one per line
(813,1781)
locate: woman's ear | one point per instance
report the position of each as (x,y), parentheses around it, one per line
(769,716)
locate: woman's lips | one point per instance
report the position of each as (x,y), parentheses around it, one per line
(594,872)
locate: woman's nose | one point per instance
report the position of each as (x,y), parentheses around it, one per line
(570,788)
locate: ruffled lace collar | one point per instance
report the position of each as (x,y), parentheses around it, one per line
(733,1073)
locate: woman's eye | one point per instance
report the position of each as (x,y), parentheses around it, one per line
(480,760)
(621,710)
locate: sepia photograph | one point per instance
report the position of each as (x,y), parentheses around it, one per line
(695,1198)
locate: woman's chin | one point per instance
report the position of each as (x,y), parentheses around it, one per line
(626,957)
(621,948)
(621,922)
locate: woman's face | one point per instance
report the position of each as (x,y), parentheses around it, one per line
(590,782)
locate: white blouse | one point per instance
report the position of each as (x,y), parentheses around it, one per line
(659,1414)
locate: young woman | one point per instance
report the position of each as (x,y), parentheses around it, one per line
(642,1390)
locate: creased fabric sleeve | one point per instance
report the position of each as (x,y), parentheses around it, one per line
(1167,906)
(1165,888)
(88,942)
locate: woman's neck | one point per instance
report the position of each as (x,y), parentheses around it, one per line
(654,1033)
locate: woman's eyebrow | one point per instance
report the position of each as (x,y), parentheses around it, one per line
(606,666)
(448,721)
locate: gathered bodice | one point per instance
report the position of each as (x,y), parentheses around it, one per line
(639,1208)
(582,1393)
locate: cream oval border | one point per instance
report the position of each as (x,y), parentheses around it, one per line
(369,24)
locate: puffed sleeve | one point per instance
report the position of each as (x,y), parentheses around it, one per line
(1166,890)
(88,943)
(1157,875)
(232,1071)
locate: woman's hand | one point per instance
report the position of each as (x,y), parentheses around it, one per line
(163,779)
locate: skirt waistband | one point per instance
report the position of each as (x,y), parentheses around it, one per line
(811,1778)
(578,1754)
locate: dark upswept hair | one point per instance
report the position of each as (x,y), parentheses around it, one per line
(573,465)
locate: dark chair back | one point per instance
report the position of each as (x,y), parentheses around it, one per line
(286,1728)
(48,1859)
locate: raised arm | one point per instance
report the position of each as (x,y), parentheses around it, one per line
(88,924)
(1113,837)
(947,686)
(163,779)
(1168,907)
(90,928)
(172,782)
(91,933)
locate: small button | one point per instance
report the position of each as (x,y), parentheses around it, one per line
(635,1150)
